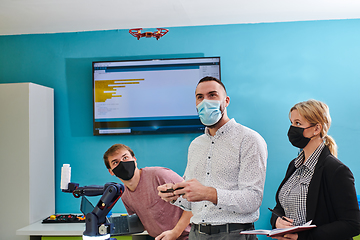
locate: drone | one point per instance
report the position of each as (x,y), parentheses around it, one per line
(136,32)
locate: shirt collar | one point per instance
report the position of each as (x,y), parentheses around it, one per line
(311,162)
(224,129)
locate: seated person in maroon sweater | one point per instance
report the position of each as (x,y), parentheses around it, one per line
(160,219)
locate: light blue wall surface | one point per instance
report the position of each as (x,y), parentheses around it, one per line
(266,67)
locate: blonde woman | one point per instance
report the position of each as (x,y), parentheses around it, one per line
(317,186)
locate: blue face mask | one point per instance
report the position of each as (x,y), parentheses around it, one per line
(209,112)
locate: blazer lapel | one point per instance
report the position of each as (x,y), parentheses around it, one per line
(313,191)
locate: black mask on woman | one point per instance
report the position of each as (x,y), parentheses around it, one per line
(125,170)
(296,136)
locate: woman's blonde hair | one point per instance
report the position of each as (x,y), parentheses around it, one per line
(316,112)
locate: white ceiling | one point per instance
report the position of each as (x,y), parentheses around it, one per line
(54,16)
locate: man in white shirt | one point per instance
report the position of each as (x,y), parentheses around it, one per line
(225,173)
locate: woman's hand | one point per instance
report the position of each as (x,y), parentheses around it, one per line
(281,223)
(292,236)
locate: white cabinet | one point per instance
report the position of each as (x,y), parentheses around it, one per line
(26,156)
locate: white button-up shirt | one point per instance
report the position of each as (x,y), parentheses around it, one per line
(234,163)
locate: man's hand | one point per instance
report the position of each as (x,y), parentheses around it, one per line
(166,195)
(194,191)
(167,235)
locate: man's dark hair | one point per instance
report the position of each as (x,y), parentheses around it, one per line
(112,150)
(209,78)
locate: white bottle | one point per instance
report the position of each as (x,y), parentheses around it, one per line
(65,176)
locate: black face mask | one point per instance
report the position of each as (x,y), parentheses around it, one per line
(296,136)
(125,170)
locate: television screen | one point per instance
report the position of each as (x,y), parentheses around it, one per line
(149,96)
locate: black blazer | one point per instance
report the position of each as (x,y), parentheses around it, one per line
(331,201)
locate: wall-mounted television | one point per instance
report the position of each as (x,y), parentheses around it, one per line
(149,96)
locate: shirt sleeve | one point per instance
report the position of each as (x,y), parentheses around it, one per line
(183,204)
(251,180)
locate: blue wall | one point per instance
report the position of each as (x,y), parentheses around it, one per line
(266,67)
